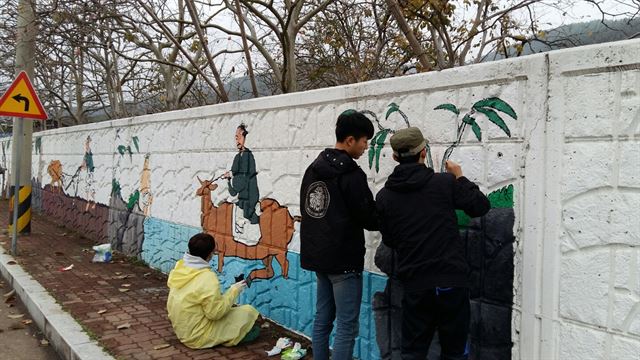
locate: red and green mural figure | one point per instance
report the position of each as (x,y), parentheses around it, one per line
(242,224)
(276,231)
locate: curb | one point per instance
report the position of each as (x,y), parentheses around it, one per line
(63,331)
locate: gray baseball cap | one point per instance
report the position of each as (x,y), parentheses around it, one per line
(407,142)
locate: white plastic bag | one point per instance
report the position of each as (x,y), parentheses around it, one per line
(103,253)
(281,344)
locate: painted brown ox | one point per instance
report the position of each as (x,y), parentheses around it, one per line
(276,228)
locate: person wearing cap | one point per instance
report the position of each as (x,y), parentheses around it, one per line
(417,216)
(336,205)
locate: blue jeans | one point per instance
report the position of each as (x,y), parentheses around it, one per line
(339,296)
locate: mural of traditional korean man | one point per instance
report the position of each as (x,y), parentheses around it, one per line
(243,182)
(87,165)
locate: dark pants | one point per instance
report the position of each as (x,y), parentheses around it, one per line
(443,309)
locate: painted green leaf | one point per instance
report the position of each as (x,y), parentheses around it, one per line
(476,130)
(496,119)
(393,107)
(133,199)
(382,136)
(122,149)
(498,104)
(467,119)
(379,146)
(38,145)
(136,143)
(449,107)
(348,112)
(115,187)
(372,149)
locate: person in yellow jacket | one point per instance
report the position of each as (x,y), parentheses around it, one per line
(201,316)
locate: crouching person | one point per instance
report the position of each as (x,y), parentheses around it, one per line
(200,314)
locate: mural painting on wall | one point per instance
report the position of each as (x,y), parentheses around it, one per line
(83,177)
(377,142)
(61,200)
(489,243)
(126,218)
(119,223)
(242,224)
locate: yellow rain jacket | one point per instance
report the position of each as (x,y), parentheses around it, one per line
(201,315)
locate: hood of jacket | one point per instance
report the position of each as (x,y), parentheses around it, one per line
(409,177)
(186,270)
(332,163)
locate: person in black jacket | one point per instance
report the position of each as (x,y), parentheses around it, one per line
(336,205)
(417,216)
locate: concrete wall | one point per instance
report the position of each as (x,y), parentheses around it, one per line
(555,262)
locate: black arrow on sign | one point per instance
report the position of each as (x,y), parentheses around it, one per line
(19,98)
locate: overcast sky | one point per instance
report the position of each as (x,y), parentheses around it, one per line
(562,12)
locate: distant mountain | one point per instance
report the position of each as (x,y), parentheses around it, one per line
(239,88)
(577,34)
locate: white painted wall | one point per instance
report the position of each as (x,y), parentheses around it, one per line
(574,159)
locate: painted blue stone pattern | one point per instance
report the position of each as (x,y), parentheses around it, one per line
(289,302)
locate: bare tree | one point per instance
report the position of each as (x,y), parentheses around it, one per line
(280,22)
(458,32)
(349,42)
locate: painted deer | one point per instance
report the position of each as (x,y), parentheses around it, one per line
(276,228)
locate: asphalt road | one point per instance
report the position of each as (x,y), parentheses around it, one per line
(19,337)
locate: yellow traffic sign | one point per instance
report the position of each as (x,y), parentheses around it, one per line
(21,100)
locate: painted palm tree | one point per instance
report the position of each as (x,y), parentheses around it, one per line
(377,142)
(486,107)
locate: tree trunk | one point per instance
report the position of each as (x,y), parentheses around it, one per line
(78,75)
(418,50)
(222,93)
(289,81)
(247,54)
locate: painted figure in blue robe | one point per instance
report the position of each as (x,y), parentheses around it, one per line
(243,181)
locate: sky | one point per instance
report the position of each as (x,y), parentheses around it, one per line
(561,12)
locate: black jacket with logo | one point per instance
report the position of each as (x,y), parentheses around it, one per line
(417,215)
(336,205)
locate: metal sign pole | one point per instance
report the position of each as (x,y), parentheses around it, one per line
(17,136)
